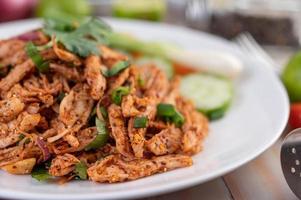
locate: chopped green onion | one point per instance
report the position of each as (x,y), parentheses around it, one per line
(27,141)
(178,119)
(169,113)
(33,53)
(165,110)
(40,173)
(104,112)
(116,68)
(118,93)
(101,137)
(93,112)
(21,136)
(61,96)
(81,170)
(105,72)
(140,122)
(141,82)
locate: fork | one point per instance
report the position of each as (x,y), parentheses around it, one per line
(197,13)
(249,45)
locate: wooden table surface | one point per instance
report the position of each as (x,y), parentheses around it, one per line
(259,179)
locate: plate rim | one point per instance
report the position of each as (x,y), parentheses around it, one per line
(181,184)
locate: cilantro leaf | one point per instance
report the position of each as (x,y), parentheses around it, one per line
(84,39)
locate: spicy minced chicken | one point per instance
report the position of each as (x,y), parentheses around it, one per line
(71,110)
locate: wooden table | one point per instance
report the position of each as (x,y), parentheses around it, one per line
(259,179)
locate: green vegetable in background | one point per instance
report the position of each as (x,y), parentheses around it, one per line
(130,43)
(60,9)
(291,78)
(140,9)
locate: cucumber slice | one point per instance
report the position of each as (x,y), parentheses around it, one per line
(161,63)
(211,94)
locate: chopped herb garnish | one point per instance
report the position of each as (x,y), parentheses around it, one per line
(40,173)
(178,119)
(105,72)
(21,136)
(27,141)
(60,96)
(101,137)
(118,93)
(118,67)
(93,112)
(165,110)
(141,82)
(81,170)
(140,122)
(82,40)
(169,113)
(37,59)
(104,112)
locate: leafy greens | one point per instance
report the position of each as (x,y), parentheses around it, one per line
(81,38)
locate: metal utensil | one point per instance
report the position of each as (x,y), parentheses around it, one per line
(249,45)
(197,14)
(291,160)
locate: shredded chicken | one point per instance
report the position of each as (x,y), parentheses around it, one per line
(65,55)
(10,108)
(119,131)
(166,142)
(115,169)
(16,75)
(68,114)
(94,77)
(63,165)
(69,72)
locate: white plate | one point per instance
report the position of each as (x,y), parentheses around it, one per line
(256,119)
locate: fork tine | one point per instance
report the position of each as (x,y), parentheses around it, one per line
(248,44)
(244,45)
(259,48)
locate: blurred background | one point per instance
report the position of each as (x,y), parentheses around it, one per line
(271,22)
